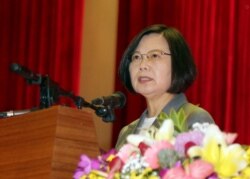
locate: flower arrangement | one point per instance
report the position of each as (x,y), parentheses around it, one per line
(172,152)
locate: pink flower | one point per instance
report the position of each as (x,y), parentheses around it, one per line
(115,165)
(151,154)
(200,169)
(105,155)
(127,151)
(143,147)
(85,166)
(183,139)
(230,137)
(175,173)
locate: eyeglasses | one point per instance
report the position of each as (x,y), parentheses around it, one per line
(153,55)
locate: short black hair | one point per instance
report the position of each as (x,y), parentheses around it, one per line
(183,66)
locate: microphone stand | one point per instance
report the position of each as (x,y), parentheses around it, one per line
(105,112)
(50,91)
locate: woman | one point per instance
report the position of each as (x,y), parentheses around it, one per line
(159,66)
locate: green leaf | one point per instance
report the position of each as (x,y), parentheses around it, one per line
(178,118)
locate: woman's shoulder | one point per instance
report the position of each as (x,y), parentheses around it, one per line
(125,131)
(130,126)
(196,114)
(191,108)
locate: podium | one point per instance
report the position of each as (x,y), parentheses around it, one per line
(46,143)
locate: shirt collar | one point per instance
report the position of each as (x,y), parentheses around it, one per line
(175,104)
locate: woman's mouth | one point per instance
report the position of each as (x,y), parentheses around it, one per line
(144,79)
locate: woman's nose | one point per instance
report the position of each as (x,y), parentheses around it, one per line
(144,64)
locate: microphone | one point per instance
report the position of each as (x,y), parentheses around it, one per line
(26,73)
(13,113)
(116,100)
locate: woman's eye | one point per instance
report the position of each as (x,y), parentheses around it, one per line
(155,56)
(136,57)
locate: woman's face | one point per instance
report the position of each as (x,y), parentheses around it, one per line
(151,75)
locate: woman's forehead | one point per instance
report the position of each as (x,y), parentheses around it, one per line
(152,41)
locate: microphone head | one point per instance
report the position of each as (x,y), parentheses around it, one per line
(26,73)
(116,100)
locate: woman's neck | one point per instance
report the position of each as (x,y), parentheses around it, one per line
(157,103)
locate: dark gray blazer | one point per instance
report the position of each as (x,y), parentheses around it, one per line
(193,112)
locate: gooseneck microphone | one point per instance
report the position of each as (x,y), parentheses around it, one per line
(50,91)
(107,104)
(26,73)
(116,100)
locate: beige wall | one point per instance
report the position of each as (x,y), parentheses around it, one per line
(98,58)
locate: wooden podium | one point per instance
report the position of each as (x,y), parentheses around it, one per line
(46,143)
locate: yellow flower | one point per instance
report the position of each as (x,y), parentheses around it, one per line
(117,175)
(110,158)
(95,174)
(228,160)
(248,155)
(245,174)
(146,173)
